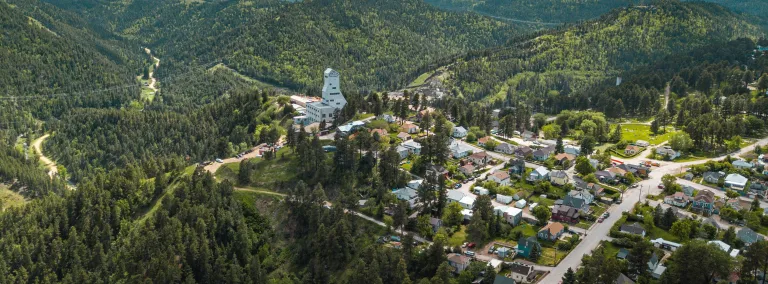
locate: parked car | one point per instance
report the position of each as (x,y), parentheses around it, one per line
(469,253)
(219,160)
(457,186)
(600,220)
(661,186)
(471,245)
(492,249)
(464,245)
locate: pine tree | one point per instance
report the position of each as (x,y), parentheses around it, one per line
(559,146)
(569,277)
(534,254)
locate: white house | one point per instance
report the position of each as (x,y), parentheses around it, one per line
(573,150)
(540,173)
(416,183)
(723,246)
(513,215)
(504,199)
(521,203)
(412,146)
(736,181)
(332,100)
(467,202)
(481,190)
(501,177)
(739,164)
(642,143)
(459,132)
(467,214)
(665,151)
(454,195)
(460,150)
(500,209)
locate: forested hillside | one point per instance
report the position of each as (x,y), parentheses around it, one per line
(546,11)
(376,44)
(547,70)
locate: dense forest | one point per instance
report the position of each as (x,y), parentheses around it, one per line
(545,11)
(554,65)
(384,43)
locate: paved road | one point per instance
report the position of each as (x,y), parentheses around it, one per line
(631,196)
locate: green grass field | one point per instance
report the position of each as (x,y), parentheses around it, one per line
(9,198)
(267,173)
(634,132)
(459,237)
(421,79)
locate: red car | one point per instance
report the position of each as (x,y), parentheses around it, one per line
(600,220)
(661,186)
(471,245)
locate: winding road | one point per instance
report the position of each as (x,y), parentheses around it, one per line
(152,80)
(50,164)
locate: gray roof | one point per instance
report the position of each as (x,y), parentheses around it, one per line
(736,178)
(623,279)
(455,195)
(747,235)
(406,193)
(713,175)
(633,228)
(558,174)
(520,268)
(505,147)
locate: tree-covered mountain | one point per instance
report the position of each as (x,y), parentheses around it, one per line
(554,66)
(375,44)
(544,11)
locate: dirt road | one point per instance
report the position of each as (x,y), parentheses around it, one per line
(152,79)
(50,164)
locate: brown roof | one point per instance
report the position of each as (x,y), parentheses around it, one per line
(566,156)
(705,195)
(502,175)
(484,139)
(458,258)
(382,132)
(403,134)
(479,155)
(617,171)
(632,147)
(408,126)
(553,228)
(469,167)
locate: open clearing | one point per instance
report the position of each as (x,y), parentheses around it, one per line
(634,132)
(9,198)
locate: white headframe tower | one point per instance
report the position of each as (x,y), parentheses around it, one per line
(332,89)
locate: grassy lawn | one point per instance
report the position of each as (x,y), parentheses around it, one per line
(361,116)
(610,248)
(541,201)
(526,229)
(421,79)
(634,132)
(458,238)
(548,256)
(267,173)
(9,198)
(620,153)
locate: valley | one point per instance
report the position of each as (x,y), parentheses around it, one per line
(413,141)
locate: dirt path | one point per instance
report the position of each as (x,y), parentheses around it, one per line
(152,79)
(50,164)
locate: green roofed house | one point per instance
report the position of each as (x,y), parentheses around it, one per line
(525,245)
(623,253)
(748,236)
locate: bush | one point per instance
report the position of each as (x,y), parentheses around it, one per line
(563,246)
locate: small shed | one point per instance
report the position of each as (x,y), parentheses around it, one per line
(521,203)
(481,190)
(503,251)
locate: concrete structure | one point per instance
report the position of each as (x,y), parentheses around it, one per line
(332,100)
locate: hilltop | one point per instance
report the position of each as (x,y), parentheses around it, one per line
(547,68)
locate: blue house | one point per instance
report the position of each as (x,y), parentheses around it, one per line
(525,245)
(540,173)
(704,202)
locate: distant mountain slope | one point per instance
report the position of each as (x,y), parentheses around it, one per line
(547,11)
(552,66)
(375,44)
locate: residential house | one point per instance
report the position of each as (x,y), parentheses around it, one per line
(623,279)
(688,176)
(720,244)
(655,267)
(505,148)
(480,158)
(501,279)
(503,199)
(617,171)
(688,190)
(634,229)
(524,152)
(525,245)
(622,254)
(520,272)
(435,171)
(500,209)
(565,159)
(415,184)
(513,215)
(454,195)
(468,202)
(484,140)
(459,262)
(460,150)
(664,244)
(632,150)
(558,178)
(528,135)
(402,151)
(412,146)
(388,118)
(543,153)
(551,231)
(594,163)
(737,204)
(459,132)
(351,127)
(758,189)
(744,165)
(642,143)
(501,177)
(504,252)
(467,213)
(404,136)
(565,213)
(636,170)
(516,166)
(479,190)
(407,194)
(409,128)
(540,173)
(571,149)
(736,181)
(667,152)
(436,223)
(467,170)
(521,203)
(678,199)
(605,176)
(713,177)
(704,202)
(748,236)
(579,199)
